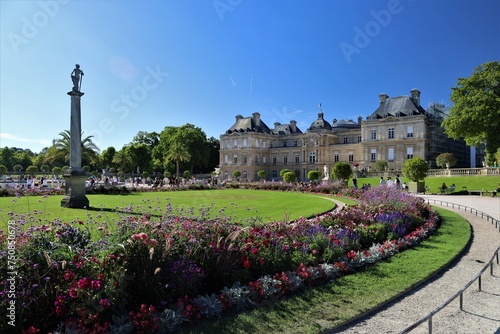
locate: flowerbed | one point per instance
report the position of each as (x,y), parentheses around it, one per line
(151,276)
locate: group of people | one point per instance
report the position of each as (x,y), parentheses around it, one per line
(390,183)
(444,188)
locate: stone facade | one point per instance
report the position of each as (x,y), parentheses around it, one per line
(399,129)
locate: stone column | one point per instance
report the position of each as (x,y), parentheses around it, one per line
(75,178)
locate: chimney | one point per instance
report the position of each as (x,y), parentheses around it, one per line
(276,124)
(293,125)
(383,97)
(415,96)
(334,121)
(256,118)
(238,117)
(359,120)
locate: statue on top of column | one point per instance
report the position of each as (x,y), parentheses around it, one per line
(76,77)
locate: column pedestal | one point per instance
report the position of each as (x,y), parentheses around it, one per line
(75,190)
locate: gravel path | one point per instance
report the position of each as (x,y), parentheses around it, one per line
(481,309)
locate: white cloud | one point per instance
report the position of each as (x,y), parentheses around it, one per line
(8,136)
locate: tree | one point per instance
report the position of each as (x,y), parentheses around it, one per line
(57,170)
(32,170)
(122,159)
(24,158)
(289,177)
(60,151)
(261,174)
(7,157)
(45,168)
(446,160)
(283,172)
(107,157)
(178,153)
(474,115)
(140,155)
(3,170)
(342,171)
(415,169)
(17,168)
(186,174)
(203,153)
(313,175)
(381,165)
(237,174)
(150,139)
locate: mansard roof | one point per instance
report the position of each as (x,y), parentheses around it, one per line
(320,123)
(286,129)
(397,106)
(249,124)
(345,123)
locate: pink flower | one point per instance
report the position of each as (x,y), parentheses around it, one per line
(136,236)
(72,292)
(104,303)
(153,242)
(84,283)
(69,275)
(96,284)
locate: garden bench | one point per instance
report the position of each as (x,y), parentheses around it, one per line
(480,192)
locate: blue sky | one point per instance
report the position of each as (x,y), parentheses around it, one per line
(151,64)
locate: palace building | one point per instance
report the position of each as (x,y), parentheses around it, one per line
(399,129)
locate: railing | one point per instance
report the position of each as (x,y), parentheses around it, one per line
(486,171)
(460,293)
(465,208)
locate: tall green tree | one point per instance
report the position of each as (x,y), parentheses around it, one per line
(61,150)
(178,152)
(107,155)
(140,155)
(123,160)
(202,152)
(475,113)
(24,158)
(7,157)
(151,139)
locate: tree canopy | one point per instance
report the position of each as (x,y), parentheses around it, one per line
(475,113)
(415,169)
(446,160)
(342,171)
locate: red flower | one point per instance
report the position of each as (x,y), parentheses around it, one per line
(31,330)
(69,275)
(246,262)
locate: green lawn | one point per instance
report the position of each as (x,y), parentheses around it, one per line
(320,309)
(246,205)
(471,182)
